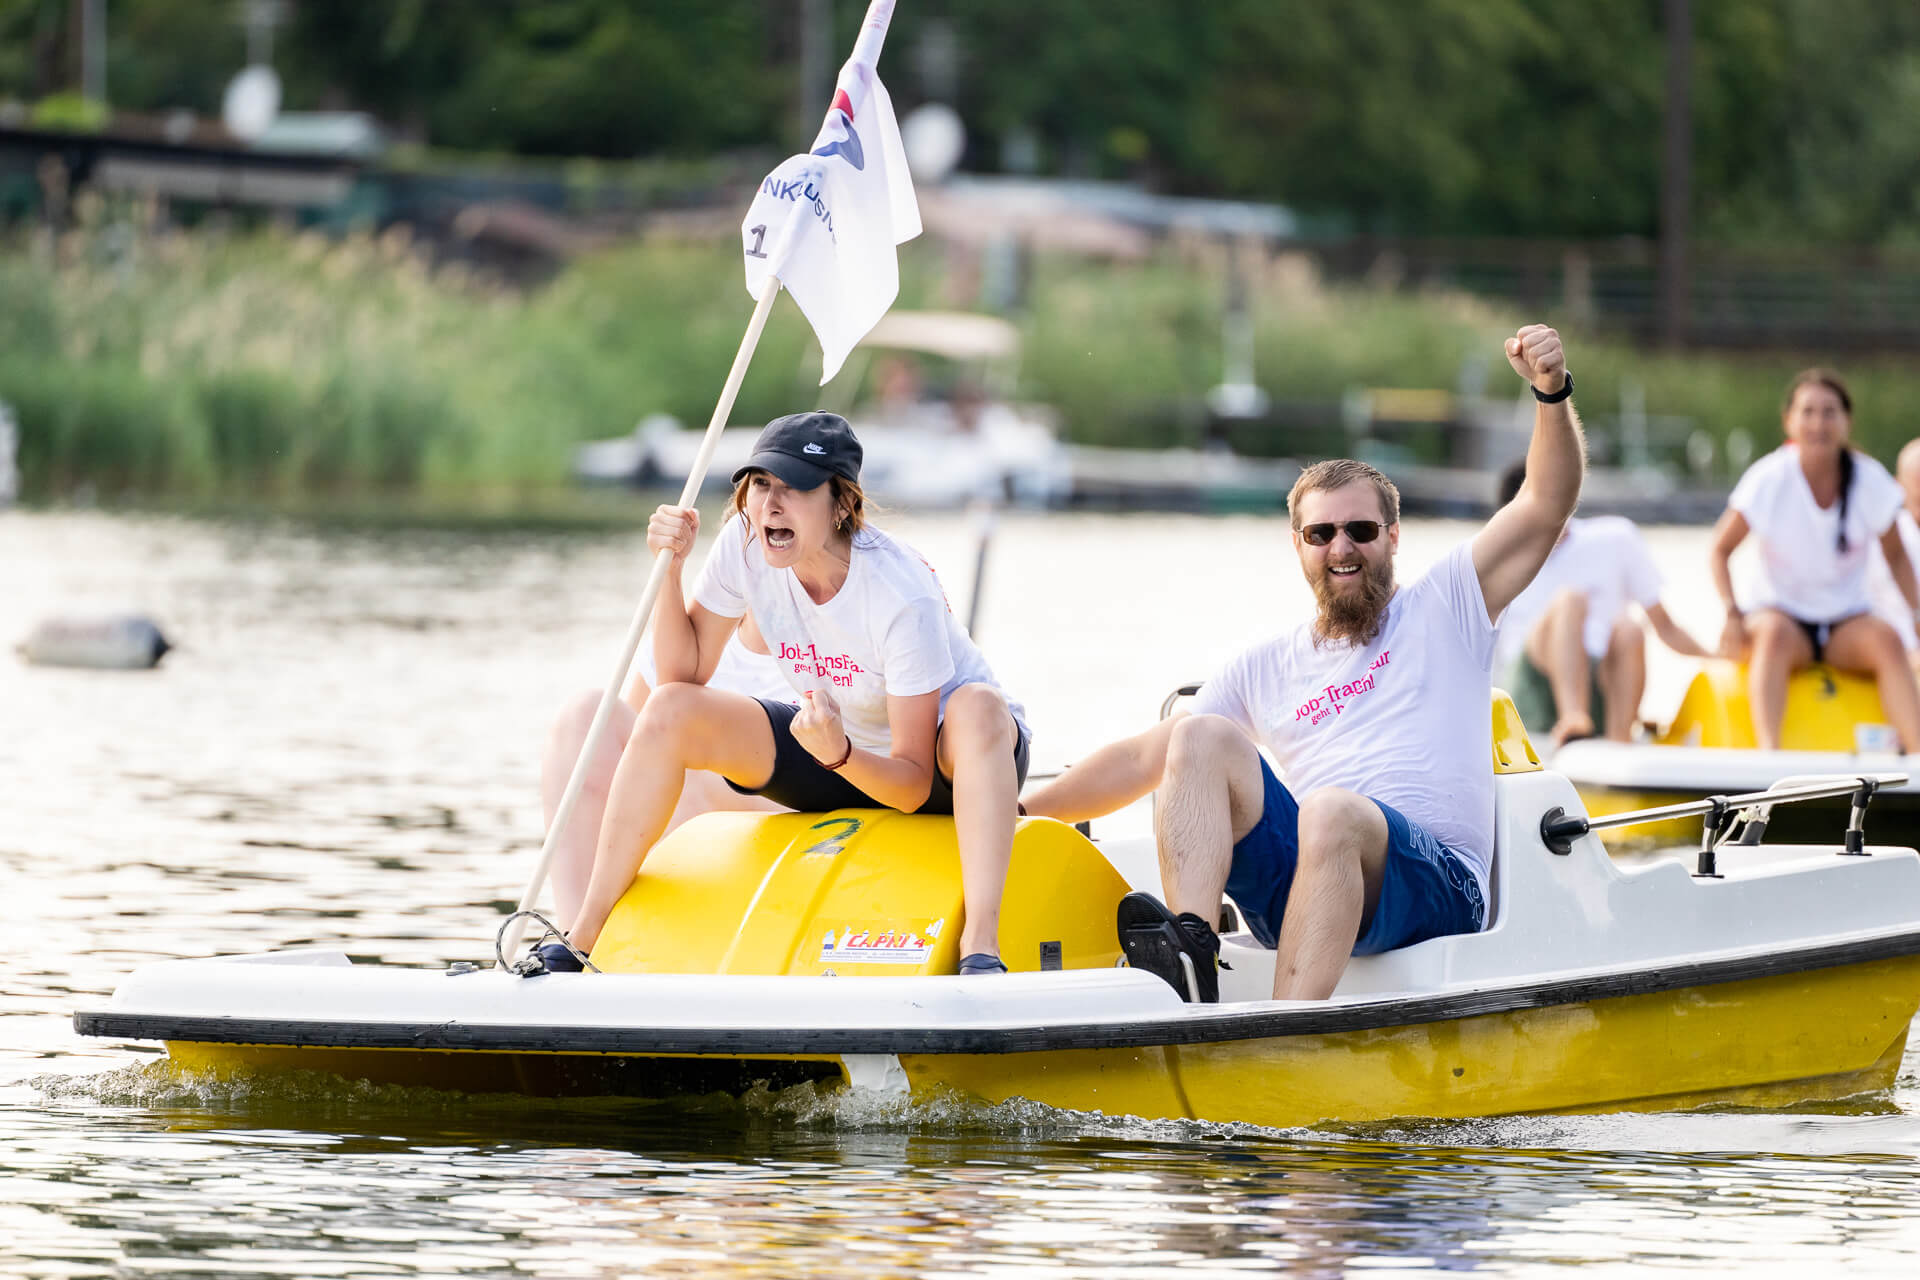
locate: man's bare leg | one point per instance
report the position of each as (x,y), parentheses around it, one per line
(1210,797)
(1623,677)
(1343,858)
(1557,648)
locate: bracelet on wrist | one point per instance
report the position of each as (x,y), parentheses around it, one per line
(844,756)
(1555,397)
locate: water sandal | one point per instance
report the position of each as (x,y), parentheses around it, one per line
(1182,950)
(980,962)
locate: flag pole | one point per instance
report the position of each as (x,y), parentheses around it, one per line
(696,475)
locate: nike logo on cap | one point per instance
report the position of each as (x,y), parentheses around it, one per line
(813,448)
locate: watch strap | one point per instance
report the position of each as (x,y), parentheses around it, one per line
(1557,396)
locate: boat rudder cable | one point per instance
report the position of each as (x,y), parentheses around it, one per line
(535,962)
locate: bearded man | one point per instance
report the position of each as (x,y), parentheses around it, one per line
(1377,710)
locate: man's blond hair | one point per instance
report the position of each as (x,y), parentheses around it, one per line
(1338,473)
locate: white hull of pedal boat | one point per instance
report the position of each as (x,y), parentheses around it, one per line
(1595,987)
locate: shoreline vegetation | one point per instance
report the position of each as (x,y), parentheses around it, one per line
(273,369)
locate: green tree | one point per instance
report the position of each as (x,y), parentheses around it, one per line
(567,77)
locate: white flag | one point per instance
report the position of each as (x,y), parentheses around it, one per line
(826,223)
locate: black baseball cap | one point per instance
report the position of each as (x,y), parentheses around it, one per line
(803,449)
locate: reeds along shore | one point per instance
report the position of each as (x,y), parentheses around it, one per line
(274,365)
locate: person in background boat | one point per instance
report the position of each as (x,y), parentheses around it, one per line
(1888,603)
(899,398)
(1378,710)
(896,708)
(1572,653)
(745,667)
(1816,505)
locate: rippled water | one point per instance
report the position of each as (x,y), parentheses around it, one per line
(343,752)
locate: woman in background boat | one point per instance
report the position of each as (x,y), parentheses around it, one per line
(1884,591)
(1816,505)
(745,666)
(896,708)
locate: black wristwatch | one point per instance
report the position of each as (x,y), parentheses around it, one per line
(1557,396)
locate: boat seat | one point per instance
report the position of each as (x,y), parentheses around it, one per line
(1823,705)
(1512,753)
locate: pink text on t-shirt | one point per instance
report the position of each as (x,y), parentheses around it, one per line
(839,668)
(1333,700)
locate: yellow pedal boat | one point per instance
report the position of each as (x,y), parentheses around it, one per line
(1834,724)
(821,947)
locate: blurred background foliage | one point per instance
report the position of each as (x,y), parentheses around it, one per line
(241,356)
(1484,117)
(274,366)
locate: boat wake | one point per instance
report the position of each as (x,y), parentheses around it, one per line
(164,1086)
(1872,1125)
(323,1102)
(1865,1127)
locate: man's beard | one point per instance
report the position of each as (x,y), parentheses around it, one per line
(1347,614)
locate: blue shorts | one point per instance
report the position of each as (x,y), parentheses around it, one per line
(1428,890)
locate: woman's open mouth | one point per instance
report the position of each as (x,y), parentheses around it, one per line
(778,538)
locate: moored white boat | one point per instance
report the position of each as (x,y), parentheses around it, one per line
(797,947)
(928,453)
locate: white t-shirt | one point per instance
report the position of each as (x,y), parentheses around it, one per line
(1802,570)
(1603,558)
(740,670)
(1406,720)
(1888,603)
(888,630)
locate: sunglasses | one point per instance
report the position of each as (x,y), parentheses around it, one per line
(1319,535)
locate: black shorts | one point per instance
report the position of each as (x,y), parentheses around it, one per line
(801,782)
(1819,633)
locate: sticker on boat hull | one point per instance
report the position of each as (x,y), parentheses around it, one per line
(881,945)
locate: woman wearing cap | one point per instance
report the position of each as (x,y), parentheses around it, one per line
(1815,504)
(897,709)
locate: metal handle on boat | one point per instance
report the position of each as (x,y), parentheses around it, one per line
(1184,691)
(1166,709)
(1559,829)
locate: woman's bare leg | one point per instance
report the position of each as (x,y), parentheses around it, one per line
(975,749)
(682,727)
(1869,646)
(701,792)
(573,850)
(1780,648)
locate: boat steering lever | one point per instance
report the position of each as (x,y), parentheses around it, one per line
(1559,829)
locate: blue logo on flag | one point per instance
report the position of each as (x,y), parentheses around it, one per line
(847,146)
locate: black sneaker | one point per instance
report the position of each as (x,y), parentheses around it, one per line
(1155,940)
